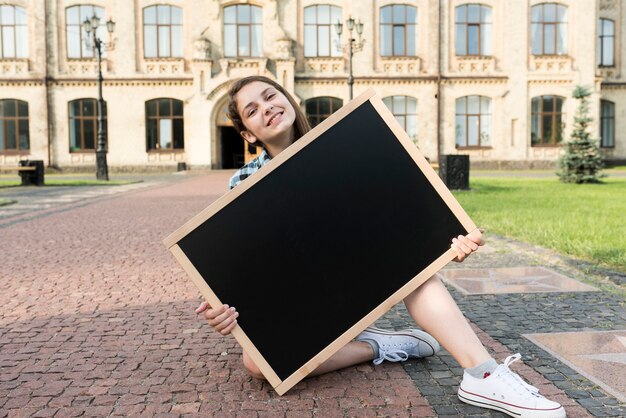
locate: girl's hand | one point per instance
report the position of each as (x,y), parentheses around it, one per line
(463,246)
(223,318)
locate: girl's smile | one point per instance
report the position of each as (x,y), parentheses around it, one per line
(267,115)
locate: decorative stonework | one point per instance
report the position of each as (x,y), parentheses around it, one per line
(81,68)
(14,68)
(164,67)
(242,67)
(201,49)
(608,4)
(157,157)
(551,64)
(11,160)
(609,74)
(476,65)
(545,152)
(480,153)
(401,66)
(284,49)
(83,158)
(324,66)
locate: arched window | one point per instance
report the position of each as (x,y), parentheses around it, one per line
(78,43)
(243,31)
(162,32)
(546,120)
(473,30)
(607,124)
(14,135)
(83,124)
(606,43)
(473,121)
(164,124)
(398,30)
(320,36)
(13,32)
(319,108)
(548,29)
(404,108)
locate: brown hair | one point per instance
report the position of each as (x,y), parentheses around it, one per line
(301,124)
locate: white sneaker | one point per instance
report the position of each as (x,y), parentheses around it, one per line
(506,392)
(400,345)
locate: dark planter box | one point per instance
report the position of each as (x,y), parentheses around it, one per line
(454,171)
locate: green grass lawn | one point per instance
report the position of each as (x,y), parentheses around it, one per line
(585,221)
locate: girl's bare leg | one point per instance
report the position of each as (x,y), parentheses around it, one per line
(434,310)
(353,353)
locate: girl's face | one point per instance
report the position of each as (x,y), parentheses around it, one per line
(266,113)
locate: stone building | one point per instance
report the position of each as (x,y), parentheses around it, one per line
(491,78)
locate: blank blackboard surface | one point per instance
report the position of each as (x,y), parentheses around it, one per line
(322,240)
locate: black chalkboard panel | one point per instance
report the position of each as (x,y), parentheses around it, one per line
(324,238)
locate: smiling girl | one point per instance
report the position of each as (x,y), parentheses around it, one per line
(267,116)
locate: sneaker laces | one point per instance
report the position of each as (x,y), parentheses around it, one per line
(508,372)
(393,354)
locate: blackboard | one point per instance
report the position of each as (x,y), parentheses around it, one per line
(323,240)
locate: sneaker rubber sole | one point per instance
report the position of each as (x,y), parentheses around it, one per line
(509,409)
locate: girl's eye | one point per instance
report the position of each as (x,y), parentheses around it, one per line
(251,112)
(271,95)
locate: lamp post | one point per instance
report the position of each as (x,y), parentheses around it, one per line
(91,27)
(352,46)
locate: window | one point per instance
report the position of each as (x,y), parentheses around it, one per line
(13,32)
(243,31)
(606,43)
(162,32)
(78,42)
(14,135)
(320,36)
(319,108)
(398,30)
(473,121)
(548,29)
(473,30)
(607,124)
(404,108)
(83,122)
(164,124)
(546,120)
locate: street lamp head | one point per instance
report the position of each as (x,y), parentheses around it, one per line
(339,27)
(359,27)
(110,25)
(95,22)
(87,25)
(350,23)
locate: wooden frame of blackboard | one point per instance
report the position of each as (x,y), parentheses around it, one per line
(172,242)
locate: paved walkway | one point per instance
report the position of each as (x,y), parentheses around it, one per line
(96,319)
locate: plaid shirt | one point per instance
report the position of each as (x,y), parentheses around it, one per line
(249,169)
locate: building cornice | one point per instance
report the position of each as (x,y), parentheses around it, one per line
(560,81)
(613,85)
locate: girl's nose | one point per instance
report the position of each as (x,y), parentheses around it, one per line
(268,109)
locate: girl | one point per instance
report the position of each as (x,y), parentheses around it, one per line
(267,116)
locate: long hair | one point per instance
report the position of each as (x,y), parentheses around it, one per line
(301,124)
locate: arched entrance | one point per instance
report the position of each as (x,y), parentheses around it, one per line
(229,145)
(232,150)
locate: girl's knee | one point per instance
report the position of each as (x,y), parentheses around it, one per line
(251,367)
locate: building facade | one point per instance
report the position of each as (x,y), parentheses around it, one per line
(491,78)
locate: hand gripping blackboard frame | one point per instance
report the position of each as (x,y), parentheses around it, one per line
(323,240)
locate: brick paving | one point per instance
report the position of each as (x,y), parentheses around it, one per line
(96,319)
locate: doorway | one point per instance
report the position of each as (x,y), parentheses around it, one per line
(231,146)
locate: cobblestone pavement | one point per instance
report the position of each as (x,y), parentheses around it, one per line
(96,319)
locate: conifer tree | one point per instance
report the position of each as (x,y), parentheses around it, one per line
(582,161)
